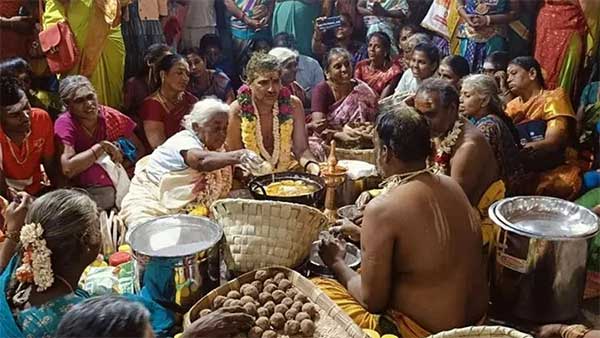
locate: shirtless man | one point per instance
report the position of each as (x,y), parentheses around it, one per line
(471,161)
(421,258)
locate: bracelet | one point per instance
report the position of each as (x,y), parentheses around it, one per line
(573,331)
(488,20)
(94,152)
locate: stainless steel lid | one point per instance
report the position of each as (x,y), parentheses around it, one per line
(544,217)
(175,236)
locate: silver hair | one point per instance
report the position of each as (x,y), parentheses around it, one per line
(204,111)
(484,86)
(283,54)
(416,39)
(68,86)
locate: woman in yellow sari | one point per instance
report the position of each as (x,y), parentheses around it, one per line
(96,25)
(545,121)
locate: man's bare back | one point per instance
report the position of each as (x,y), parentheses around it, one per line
(437,267)
(473,164)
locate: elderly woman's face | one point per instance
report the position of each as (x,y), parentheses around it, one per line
(288,71)
(177,77)
(213,132)
(84,104)
(340,69)
(266,87)
(470,101)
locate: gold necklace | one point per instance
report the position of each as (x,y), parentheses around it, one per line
(64,282)
(12,151)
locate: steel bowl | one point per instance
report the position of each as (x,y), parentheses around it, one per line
(258,185)
(179,253)
(317,267)
(349,212)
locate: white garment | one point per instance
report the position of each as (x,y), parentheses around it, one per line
(309,74)
(167,157)
(201,14)
(117,175)
(408,83)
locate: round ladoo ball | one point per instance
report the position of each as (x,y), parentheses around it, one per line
(287,302)
(235,303)
(264,297)
(270,288)
(261,275)
(250,308)
(291,292)
(302,316)
(262,312)
(255,332)
(301,298)
(291,314)
(258,285)
(270,305)
(263,323)
(228,302)
(243,287)
(278,277)
(278,296)
(251,291)
(269,334)
(297,306)
(269,281)
(284,284)
(281,308)
(277,320)
(310,309)
(291,328)
(307,327)
(205,313)
(246,299)
(219,302)
(234,295)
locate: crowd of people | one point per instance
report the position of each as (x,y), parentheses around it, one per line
(172,104)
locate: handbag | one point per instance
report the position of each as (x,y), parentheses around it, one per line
(59,45)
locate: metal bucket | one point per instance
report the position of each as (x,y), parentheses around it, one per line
(540,263)
(364,178)
(179,256)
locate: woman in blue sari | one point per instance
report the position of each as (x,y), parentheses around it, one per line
(484,28)
(47,246)
(41,261)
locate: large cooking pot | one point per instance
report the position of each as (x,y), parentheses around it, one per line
(540,263)
(258,185)
(178,255)
(360,176)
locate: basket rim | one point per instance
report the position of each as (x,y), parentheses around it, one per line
(264,202)
(481,330)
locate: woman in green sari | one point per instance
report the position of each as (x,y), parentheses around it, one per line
(97,28)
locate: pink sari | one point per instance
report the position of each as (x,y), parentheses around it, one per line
(358,106)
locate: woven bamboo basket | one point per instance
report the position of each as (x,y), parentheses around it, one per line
(365,155)
(302,284)
(482,332)
(266,233)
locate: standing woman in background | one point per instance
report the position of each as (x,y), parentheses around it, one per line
(296,17)
(484,28)
(560,39)
(97,30)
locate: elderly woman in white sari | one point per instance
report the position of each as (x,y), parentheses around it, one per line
(189,171)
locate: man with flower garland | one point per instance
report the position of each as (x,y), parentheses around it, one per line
(461,150)
(268,120)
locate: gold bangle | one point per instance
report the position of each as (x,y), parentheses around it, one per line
(574,331)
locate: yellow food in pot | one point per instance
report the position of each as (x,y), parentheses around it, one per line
(290,188)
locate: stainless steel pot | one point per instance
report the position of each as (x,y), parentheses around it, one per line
(316,266)
(177,256)
(540,263)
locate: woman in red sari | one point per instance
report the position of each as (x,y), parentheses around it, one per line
(163,111)
(560,43)
(380,71)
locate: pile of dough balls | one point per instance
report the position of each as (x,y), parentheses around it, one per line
(277,306)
